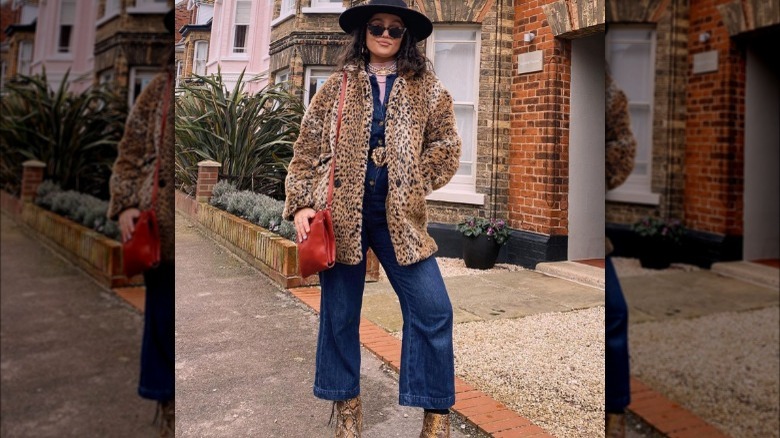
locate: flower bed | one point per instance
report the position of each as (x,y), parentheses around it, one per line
(274,255)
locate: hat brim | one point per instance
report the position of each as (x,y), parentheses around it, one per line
(416,23)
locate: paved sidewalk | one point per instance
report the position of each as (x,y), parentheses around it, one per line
(70,349)
(245,353)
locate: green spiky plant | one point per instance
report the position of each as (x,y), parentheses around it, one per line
(75,135)
(250,135)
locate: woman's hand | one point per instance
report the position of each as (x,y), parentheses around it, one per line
(127,222)
(301,221)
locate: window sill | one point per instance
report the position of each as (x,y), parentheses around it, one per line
(634,197)
(323,10)
(107,18)
(60,57)
(236,57)
(282,18)
(148,9)
(457,197)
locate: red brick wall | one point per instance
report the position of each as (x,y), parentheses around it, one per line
(8,16)
(539,155)
(714,129)
(183,17)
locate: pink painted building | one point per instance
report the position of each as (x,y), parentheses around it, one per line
(240,40)
(61,45)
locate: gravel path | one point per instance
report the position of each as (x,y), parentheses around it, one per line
(730,380)
(547,367)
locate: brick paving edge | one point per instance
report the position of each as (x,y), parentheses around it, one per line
(666,416)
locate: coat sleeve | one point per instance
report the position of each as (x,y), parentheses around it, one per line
(127,173)
(620,143)
(301,172)
(440,156)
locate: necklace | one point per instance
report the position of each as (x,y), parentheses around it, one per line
(383,70)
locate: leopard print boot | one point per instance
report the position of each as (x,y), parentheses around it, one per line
(436,426)
(615,425)
(349,418)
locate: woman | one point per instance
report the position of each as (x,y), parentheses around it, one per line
(398,142)
(131,191)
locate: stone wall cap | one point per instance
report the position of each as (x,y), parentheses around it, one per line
(209,163)
(34,163)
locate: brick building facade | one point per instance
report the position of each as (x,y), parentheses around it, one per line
(17,38)
(515,126)
(131,44)
(713,158)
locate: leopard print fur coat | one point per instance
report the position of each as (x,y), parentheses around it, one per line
(422,150)
(133,172)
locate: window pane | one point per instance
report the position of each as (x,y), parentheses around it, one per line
(631,69)
(201,50)
(454,64)
(29,13)
(456,34)
(64,45)
(240,40)
(68,12)
(464,115)
(243,11)
(642,130)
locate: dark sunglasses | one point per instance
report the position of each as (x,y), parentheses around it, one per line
(378,30)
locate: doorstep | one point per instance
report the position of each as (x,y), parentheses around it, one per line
(758,273)
(577,272)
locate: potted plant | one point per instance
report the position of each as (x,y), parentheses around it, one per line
(659,239)
(482,239)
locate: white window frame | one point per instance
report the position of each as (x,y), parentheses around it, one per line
(106,77)
(282,75)
(234,27)
(461,189)
(324,7)
(19,59)
(637,189)
(286,10)
(323,71)
(148,72)
(179,71)
(112,9)
(149,7)
(195,57)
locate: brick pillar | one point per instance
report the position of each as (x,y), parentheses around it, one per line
(32,176)
(207,177)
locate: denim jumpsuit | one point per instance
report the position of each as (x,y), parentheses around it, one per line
(427,377)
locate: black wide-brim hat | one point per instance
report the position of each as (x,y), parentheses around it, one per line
(416,23)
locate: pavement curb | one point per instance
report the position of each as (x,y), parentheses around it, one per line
(477,408)
(667,417)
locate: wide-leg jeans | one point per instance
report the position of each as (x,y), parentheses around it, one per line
(427,377)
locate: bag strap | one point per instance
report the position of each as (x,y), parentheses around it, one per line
(166,101)
(338,129)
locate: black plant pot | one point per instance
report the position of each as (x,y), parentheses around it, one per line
(480,252)
(656,253)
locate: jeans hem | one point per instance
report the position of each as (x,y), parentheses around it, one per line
(152,394)
(618,404)
(336,395)
(426,402)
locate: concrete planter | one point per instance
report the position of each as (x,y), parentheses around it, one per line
(272,254)
(98,255)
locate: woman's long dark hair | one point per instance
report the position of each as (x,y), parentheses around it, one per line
(410,61)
